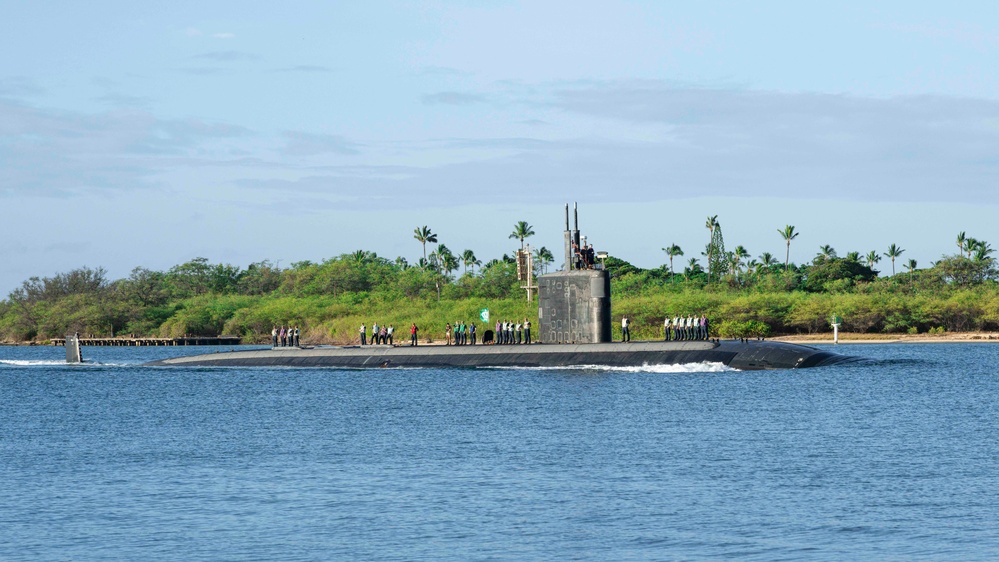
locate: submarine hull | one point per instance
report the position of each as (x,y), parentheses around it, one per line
(752,355)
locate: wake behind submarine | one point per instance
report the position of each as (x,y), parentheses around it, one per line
(574,316)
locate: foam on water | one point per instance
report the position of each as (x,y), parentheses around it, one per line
(52,363)
(703,367)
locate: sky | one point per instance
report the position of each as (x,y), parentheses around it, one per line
(148,134)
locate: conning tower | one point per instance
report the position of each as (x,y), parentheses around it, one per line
(574,305)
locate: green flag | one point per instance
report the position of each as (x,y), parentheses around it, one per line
(484,314)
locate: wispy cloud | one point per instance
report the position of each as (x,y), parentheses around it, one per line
(19,87)
(304,68)
(196,32)
(308,144)
(227,56)
(452,98)
(205,71)
(54,153)
(124,101)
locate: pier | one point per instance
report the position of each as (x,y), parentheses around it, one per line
(141,342)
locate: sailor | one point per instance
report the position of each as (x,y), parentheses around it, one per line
(284,337)
(625,334)
(412,334)
(666,329)
(447,334)
(527,330)
(296,337)
(364,337)
(274,336)
(388,332)
(519,329)
(471,330)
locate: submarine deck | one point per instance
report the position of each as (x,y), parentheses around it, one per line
(751,355)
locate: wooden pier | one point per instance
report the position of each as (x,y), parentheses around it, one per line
(140,342)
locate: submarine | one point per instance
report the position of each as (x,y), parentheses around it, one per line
(574,317)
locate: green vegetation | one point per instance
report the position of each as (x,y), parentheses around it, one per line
(743,297)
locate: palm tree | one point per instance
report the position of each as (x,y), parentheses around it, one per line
(710,224)
(826,253)
(970,244)
(544,257)
(423,234)
(522,230)
(788,234)
(361,257)
(872,258)
(893,252)
(982,251)
(853,256)
(672,251)
(767,259)
(693,268)
(961,240)
(911,265)
(738,254)
(468,259)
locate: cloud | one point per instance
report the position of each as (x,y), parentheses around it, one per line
(730,142)
(304,68)
(452,98)
(124,101)
(19,87)
(308,144)
(227,56)
(53,153)
(224,35)
(205,71)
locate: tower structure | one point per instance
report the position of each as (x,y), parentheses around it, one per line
(574,305)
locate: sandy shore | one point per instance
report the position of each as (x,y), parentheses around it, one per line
(962,337)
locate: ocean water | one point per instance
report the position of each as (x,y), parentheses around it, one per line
(892,458)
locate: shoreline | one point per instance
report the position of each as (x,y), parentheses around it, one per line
(852,338)
(826,338)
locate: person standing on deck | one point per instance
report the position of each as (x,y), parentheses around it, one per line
(471,331)
(390,331)
(274,336)
(412,335)
(364,337)
(527,330)
(625,333)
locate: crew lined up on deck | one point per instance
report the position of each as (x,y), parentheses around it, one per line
(686,328)
(460,334)
(284,337)
(383,335)
(512,333)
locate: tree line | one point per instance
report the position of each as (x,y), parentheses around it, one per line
(744,295)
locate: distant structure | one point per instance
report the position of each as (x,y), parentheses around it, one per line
(574,305)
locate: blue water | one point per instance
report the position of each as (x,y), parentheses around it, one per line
(892,458)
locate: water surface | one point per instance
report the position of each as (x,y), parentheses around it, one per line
(891,458)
